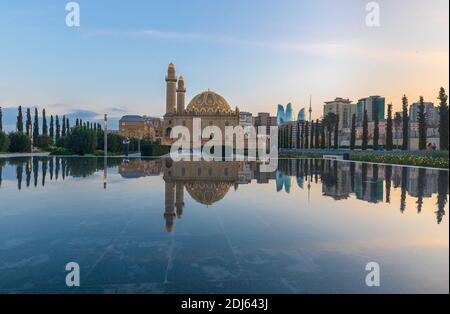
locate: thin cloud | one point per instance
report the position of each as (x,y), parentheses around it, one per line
(324,49)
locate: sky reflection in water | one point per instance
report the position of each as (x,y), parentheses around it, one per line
(158,226)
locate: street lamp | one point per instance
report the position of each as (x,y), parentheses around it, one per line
(105,144)
(105,124)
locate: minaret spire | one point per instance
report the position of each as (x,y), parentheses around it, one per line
(171,89)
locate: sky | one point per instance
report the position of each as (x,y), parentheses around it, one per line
(255,53)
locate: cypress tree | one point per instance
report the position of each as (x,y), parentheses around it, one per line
(52,127)
(287,137)
(376,130)
(67,126)
(307,135)
(302,136)
(443,120)
(58,128)
(322,136)
(44,123)
(28,123)
(365,135)
(291,135)
(317,128)
(279,138)
(336,133)
(76,122)
(422,125)
(389,132)
(63,129)
(405,120)
(36,125)
(1,119)
(19,124)
(353,133)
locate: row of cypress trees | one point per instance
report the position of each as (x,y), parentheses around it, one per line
(316,135)
(59,127)
(404,121)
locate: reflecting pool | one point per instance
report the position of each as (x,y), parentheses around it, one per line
(159,226)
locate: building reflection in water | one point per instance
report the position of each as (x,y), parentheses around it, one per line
(209,182)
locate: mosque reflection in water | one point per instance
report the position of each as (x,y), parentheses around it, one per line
(209,182)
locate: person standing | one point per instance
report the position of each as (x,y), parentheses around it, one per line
(126,143)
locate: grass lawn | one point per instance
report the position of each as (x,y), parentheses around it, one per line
(437,159)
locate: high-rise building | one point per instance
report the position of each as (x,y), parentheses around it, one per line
(264,119)
(245,119)
(280,115)
(342,108)
(373,105)
(431,113)
(301,115)
(288,117)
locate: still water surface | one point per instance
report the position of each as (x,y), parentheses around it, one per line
(158,226)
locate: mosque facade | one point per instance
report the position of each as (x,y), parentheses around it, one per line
(211,107)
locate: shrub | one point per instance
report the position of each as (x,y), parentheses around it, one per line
(43,141)
(412,160)
(4,142)
(61,141)
(150,150)
(115,142)
(101,153)
(19,143)
(81,141)
(59,151)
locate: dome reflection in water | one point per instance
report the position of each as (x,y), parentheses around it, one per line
(163,226)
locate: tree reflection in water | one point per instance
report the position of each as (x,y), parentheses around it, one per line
(340,180)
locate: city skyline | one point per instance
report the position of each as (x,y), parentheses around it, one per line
(114,61)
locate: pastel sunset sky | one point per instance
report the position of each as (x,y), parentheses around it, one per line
(256,53)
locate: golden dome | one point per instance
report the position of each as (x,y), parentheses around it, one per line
(209,102)
(208,193)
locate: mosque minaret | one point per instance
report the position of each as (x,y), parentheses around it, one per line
(171,81)
(169,212)
(181,94)
(179,198)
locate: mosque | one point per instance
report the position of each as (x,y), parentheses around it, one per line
(211,107)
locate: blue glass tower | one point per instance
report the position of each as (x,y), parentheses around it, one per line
(301,115)
(280,115)
(288,115)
